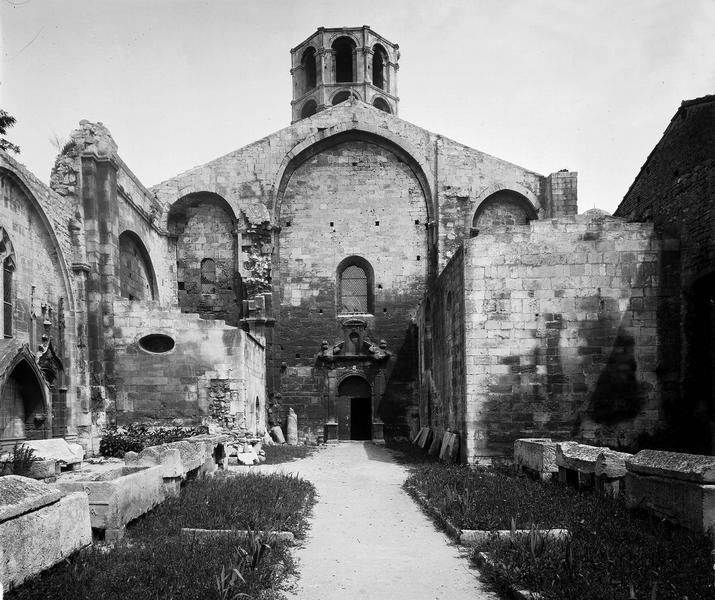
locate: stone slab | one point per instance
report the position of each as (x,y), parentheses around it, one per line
(444,449)
(612,464)
(686,503)
(536,454)
(57,449)
(426,438)
(120,496)
(453,449)
(435,446)
(577,457)
(36,541)
(19,495)
(687,467)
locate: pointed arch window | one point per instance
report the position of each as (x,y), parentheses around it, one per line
(355,286)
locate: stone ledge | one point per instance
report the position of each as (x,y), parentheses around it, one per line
(484,560)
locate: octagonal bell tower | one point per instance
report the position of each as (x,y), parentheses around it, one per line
(335,64)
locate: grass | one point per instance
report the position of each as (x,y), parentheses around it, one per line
(274,502)
(153,562)
(610,549)
(284,453)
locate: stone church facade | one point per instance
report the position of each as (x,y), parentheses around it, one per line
(367,273)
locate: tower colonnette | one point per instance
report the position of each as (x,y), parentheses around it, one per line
(335,64)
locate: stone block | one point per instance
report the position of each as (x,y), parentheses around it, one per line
(444,449)
(117,496)
(191,456)
(37,540)
(686,467)
(577,457)
(537,455)
(57,449)
(19,495)
(611,464)
(426,438)
(689,504)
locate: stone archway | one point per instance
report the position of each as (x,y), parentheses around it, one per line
(24,408)
(354,409)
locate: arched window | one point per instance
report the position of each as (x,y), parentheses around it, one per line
(208,276)
(136,274)
(343,48)
(382,104)
(309,109)
(378,66)
(355,286)
(309,71)
(7,295)
(341,97)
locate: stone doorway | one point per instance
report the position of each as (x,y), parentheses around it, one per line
(354,408)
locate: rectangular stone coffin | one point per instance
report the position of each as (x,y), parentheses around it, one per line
(118,496)
(39,527)
(577,463)
(675,486)
(537,455)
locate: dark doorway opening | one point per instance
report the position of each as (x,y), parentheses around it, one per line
(354,407)
(703,358)
(360,419)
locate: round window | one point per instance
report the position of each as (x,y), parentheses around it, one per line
(157,343)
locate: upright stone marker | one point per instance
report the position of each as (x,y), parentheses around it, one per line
(292,428)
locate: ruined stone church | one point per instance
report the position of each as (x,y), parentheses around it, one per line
(367,273)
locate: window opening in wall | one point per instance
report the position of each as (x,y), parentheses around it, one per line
(353,290)
(157,343)
(382,104)
(208,276)
(378,67)
(7,297)
(341,97)
(309,70)
(343,48)
(309,109)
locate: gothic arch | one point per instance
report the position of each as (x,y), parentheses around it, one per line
(18,177)
(31,379)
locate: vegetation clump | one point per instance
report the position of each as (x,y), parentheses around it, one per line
(611,552)
(19,460)
(117,441)
(153,561)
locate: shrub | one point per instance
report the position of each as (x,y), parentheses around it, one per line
(117,441)
(20,460)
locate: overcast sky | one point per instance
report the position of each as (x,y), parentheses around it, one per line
(546,84)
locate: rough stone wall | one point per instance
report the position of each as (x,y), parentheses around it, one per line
(136,279)
(442,388)
(675,191)
(208,233)
(459,177)
(209,360)
(348,200)
(561,332)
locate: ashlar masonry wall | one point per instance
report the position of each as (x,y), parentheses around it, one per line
(211,371)
(561,332)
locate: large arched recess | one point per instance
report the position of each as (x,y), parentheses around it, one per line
(333,136)
(19,179)
(134,259)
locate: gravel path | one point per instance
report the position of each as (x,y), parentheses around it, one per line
(368,539)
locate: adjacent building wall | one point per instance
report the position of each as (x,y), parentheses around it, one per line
(561,332)
(675,190)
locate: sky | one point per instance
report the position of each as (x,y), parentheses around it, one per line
(584,85)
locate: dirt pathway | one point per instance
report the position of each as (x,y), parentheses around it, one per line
(368,539)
